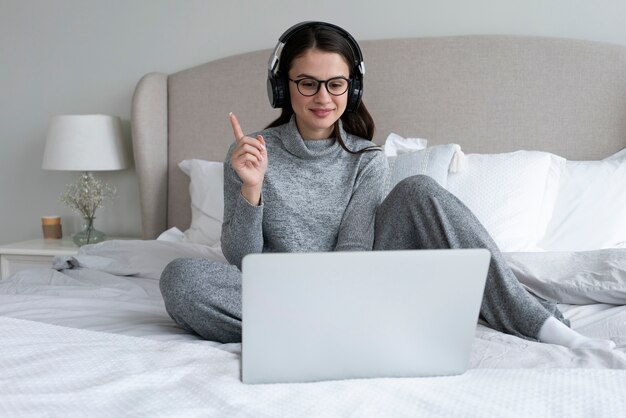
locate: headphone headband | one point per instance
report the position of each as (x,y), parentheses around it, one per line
(274,61)
(278,91)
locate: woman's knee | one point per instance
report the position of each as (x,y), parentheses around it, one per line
(186,281)
(419,183)
(182,276)
(172,275)
(418,186)
(203,296)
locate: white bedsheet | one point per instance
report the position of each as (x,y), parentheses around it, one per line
(70,372)
(96,338)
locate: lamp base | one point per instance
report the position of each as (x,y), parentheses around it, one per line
(89,234)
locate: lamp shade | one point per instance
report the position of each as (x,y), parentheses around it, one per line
(85,143)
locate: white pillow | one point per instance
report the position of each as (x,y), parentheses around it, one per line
(396,144)
(206,189)
(590,211)
(511,194)
(579,277)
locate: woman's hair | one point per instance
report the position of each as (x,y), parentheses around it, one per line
(324,38)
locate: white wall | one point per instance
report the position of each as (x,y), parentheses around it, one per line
(85,56)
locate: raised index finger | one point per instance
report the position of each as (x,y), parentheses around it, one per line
(236,128)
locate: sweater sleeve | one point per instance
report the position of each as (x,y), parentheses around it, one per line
(242,231)
(356,232)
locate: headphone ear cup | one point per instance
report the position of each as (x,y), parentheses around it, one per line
(277,91)
(354,96)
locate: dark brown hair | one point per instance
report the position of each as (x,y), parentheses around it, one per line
(324,38)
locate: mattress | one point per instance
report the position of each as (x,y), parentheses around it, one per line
(91,337)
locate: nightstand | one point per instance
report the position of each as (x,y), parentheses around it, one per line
(32,253)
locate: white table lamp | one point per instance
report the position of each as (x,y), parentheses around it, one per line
(85,143)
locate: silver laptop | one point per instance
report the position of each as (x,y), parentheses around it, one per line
(345,315)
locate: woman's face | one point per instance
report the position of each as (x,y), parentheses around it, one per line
(316,115)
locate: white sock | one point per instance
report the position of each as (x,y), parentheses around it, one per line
(554,331)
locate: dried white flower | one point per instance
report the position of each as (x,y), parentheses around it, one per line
(87,195)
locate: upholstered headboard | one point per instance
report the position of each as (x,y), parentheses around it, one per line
(486,93)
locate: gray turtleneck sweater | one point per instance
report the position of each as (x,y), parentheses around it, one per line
(316,197)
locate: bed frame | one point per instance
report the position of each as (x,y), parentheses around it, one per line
(487,93)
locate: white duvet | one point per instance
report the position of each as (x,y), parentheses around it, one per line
(94,340)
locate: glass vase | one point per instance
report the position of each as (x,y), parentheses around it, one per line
(89,234)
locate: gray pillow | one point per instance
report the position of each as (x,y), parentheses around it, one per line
(432,161)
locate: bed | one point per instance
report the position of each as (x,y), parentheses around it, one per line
(529,132)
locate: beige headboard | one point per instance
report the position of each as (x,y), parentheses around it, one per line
(486,93)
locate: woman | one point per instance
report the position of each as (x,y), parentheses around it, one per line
(313,181)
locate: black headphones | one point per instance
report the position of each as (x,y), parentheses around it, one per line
(277,87)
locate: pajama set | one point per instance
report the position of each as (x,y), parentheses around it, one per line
(318,197)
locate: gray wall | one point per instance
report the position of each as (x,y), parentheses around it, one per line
(81,56)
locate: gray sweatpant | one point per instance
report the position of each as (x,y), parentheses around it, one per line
(204,296)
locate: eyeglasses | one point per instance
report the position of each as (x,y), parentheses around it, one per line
(308,86)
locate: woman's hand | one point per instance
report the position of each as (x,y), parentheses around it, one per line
(249,160)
